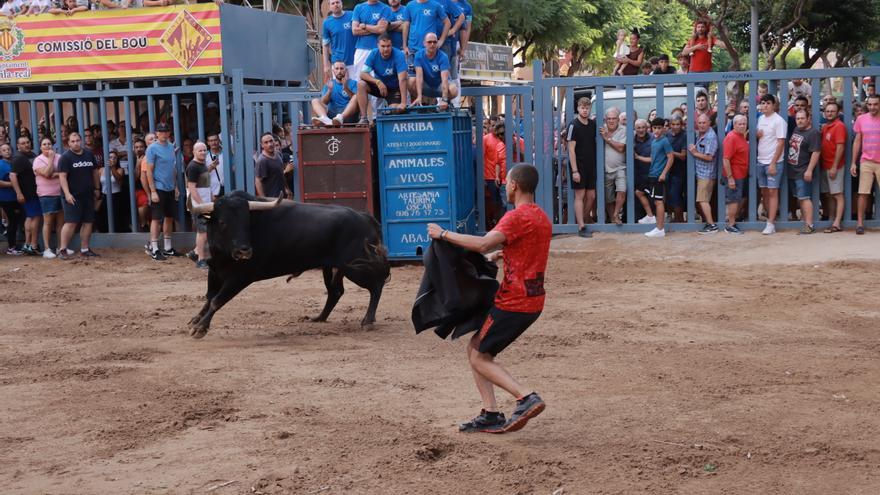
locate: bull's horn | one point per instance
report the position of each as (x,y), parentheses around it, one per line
(261,205)
(202,208)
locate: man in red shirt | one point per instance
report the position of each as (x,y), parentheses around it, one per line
(833,151)
(524,236)
(494,167)
(699,48)
(736,170)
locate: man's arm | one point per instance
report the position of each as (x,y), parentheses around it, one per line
(442,38)
(65,188)
(96,180)
(780,146)
(670,159)
(379,28)
(258,186)
(458,23)
(406,37)
(193,193)
(618,147)
(572,160)
(326,52)
(839,151)
(480,244)
(814,159)
(19,196)
(420,78)
(402,83)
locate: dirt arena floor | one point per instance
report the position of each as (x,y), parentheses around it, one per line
(683,365)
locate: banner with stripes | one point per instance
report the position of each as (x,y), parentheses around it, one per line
(181,40)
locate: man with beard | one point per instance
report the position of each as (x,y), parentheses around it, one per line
(81,185)
(25,184)
(338,98)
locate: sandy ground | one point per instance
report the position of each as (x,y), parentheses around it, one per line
(686,365)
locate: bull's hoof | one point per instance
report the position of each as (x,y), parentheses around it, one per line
(195,319)
(198,331)
(368,327)
(318,319)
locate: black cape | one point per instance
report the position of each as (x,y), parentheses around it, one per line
(457,291)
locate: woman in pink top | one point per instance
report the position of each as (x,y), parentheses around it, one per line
(49,191)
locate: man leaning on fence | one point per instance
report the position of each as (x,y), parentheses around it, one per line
(866,147)
(614,136)
(581,138)
(703,150)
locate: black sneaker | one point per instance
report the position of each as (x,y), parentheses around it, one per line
(709,228)
(88,254)
(526,408)
(193,256)
(485,422)
(63,255)
(171,253)
(157,255)
(733,229)
(583,232)
(202,264)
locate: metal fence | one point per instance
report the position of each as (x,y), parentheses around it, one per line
(554,106)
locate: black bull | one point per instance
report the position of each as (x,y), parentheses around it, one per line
(253,239)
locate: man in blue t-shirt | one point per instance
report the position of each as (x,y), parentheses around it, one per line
(432,75)
(395,23)
(370,19)
(338,40)
(383,76)
(423,17)
(662,158)
(457,19)
(338,97)
(161,186)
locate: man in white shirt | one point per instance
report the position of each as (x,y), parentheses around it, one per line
(118,145)
(771,134)
(215,165)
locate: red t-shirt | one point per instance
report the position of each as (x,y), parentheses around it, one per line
(736,149)
(701,60)
(527,231)
(833,133)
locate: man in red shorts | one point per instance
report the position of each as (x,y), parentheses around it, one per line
(524,236)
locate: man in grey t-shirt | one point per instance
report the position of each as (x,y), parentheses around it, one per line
(614,136)
(269,171)
(804,151)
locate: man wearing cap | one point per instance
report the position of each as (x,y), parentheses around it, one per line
(163,192)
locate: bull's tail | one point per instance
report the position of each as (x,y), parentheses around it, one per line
(375,259)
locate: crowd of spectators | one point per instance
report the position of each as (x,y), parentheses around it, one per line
(789,149)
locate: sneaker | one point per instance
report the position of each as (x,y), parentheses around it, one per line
(48,254)
(769,229)
(583,232)
(709,228)
(806,230)
(202,264)
(316,121)
(338,120)
(655,232)
(485,422)
(157,255)
(88,254)
(193,256)
(29,250)
(326,121)
(648,220)
(171,253)
(363,121)
(733,229)
(64,254)
(147,249)
(13,252)
(526,408)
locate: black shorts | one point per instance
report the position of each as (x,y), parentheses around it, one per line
(501,328)
(166,207)
(588,177)
(655,189)
(81,212)
(393,93)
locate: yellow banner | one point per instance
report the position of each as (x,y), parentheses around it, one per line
(182,40)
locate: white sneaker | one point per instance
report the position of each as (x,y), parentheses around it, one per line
(325,120)
(48,254)
(769,229)
(656,233)
(338,120)
(648,220)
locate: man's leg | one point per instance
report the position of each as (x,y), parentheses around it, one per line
(863,204)
(706,210)
(155,226)
(589,204)
(201,245)
(661,213)
(646,204)
(806,206)
(318,109)
(363,90)
(732,209)
(351,110)
(484,364)
(579,195)
(619,200)
(67,231)
(453,91)
(837,199)
(167,230)
(85,235)
(484,386)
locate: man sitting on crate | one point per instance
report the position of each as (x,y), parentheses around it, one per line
(432,75)
(339,98)
(383,76)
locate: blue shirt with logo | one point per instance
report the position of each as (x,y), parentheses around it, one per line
(423,18)
(370,15)
(386,70)
(660,150)
(164,162)
(432,68)
(338,99)
(397,36)
(453,11)
(337,33)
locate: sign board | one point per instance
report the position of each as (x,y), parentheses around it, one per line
(181,40)
(483,57)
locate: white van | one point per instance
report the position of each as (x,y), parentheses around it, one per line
(645,99)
